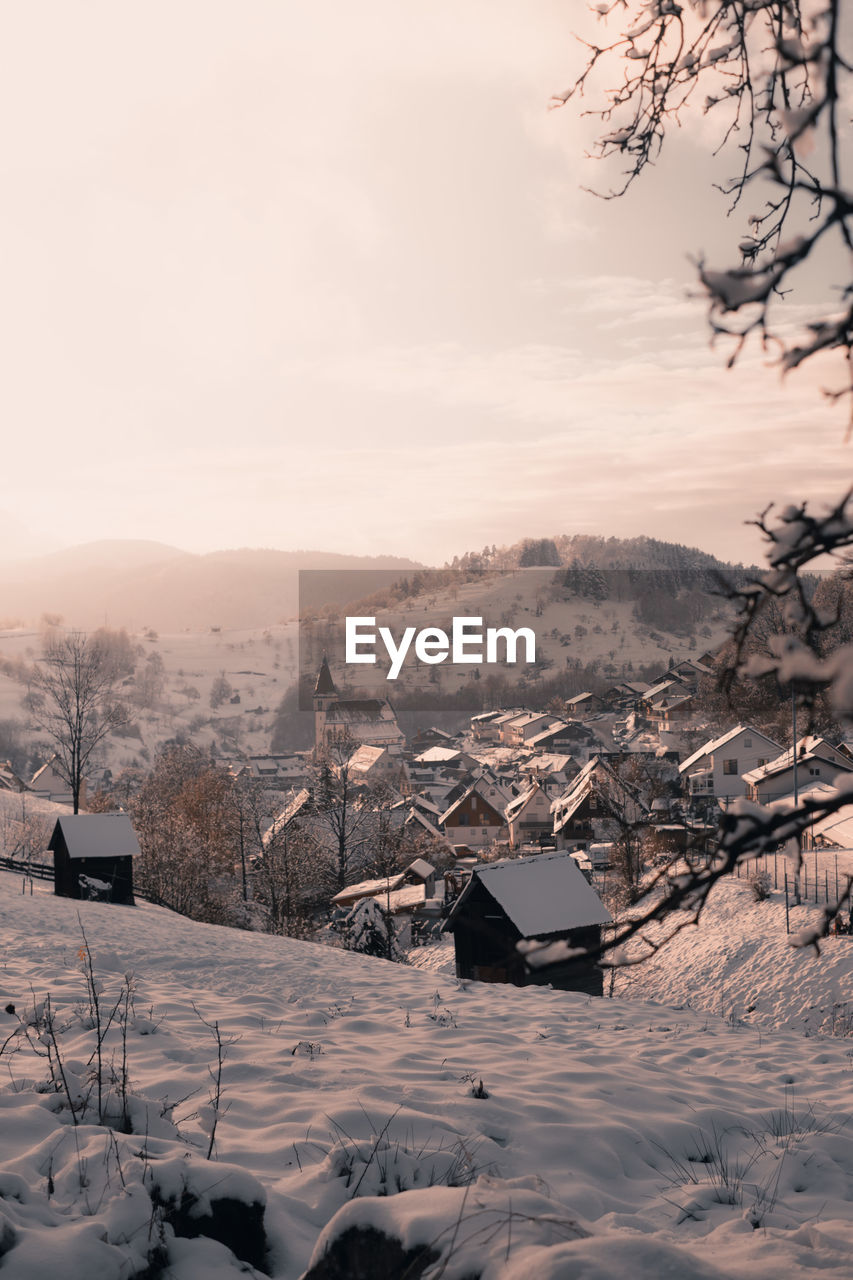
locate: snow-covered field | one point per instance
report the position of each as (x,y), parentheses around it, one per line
(259,665)
(616,1138)
(741,964)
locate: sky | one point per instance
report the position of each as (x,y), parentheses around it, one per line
(325,276)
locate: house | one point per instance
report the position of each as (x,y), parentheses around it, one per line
(377,888)
(431,737)
(670,711)
(298,813)
(553,769)
(717,768)
(419,816)
(507,907)
(445,757)
(626,695)
(481,725)
(369,721)
(817,761)
(594,801)
(49,784)
(524,726)
(835,831)
(378,764)
(488,727)
(476,818)
(277,772)
(409,894)
(9,780)
(667,687)
(691,671)
(529,816)
(93,856)
(585,704)
(565,739)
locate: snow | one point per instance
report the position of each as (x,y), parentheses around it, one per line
(543,894)
(421,868)
(617,1137)
(99,835)
(740,964)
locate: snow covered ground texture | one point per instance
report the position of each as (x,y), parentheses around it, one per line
(741,965)
(617,1138)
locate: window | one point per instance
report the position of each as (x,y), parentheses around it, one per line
(747,742)
(814,771)
(730,767)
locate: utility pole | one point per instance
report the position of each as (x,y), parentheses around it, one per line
(797,898)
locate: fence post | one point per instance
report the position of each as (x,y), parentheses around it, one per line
(787,916)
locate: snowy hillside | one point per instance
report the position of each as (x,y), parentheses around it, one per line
(608,1137)
(741,965)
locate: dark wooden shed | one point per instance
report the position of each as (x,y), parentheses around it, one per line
(93,856)
(544,898)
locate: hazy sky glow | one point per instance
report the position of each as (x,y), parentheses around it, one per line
(323,276)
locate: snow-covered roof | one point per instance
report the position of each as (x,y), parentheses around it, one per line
(364,757)
(297,801)
(667,703)
(404,898)
(544,894)
(521,800)
(657,689)
(369,888)
(552,731)
(550,762)
(716,744)
(438,755)
(527,717)
(809,748)
(97,835)
(420,867)
(424,802)
(837,827)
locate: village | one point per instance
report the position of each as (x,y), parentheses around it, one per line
(522,829)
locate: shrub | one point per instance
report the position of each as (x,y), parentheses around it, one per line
(761,882)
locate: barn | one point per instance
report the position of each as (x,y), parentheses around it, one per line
(93,856)
(544,898)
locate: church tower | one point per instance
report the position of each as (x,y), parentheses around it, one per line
(325,694)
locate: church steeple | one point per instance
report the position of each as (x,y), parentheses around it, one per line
(325,684)
(325,694)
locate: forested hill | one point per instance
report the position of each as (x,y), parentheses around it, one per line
(586,550)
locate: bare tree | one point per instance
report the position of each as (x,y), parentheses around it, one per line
(284,882)
(775,74)
(184,817)
(344,809)
(73,699)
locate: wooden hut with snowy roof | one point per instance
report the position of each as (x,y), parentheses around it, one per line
(93,856)
(519,920)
